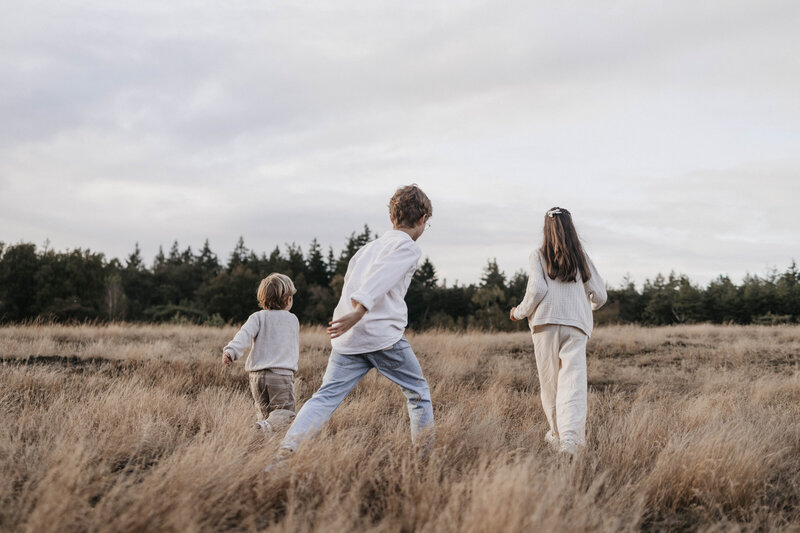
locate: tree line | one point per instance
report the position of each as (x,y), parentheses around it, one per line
(196,287)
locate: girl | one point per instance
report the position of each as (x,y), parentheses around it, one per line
(563,290)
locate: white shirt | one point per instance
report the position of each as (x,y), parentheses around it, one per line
(275,337)
(377,277)
(550,301)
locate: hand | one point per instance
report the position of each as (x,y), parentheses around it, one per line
(511,315)
(226,358)
(343,324)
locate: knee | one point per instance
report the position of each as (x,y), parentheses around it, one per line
(323,395)
(419,395)
(329,392)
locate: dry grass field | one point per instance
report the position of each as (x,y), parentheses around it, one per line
(141,428)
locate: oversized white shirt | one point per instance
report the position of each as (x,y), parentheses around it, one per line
(377,277)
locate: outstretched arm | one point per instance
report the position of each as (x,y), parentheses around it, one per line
(242,340)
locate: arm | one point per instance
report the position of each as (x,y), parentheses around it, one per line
(595,288)
(242,340)
(339,327)
(384,274)
(534,293)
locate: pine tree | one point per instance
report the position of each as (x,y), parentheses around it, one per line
(159,260)
(354,243)
(295,261)
(137,285)
(135,261)
(317,269)
(239,255)
(208,262)
(331,263)
(174,254)
(493,276)
(426,274)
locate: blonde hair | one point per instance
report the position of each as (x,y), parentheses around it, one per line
(408,205)
(274,291)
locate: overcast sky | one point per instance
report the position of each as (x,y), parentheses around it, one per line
(670,129)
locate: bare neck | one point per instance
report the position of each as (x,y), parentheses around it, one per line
(411,232)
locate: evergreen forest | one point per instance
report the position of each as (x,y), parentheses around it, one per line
(184,285)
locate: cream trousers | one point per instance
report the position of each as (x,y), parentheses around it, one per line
(561,360)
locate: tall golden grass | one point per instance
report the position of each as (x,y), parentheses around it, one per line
(141,428)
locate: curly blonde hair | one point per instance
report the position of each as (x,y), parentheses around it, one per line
(408,205)
(274,291)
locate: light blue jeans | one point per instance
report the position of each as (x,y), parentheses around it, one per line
(398,363)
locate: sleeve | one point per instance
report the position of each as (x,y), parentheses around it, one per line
(535,291)
(385,273)
(595,288)
(244,337)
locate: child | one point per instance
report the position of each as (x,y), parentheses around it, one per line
(563,290)
(272,362)
(369,322)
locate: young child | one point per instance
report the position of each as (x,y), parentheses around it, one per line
(563,290)
(272,362)
(368,325)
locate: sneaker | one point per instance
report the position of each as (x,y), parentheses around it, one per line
(263,425)
(279,420)
(569,447)
(552,440)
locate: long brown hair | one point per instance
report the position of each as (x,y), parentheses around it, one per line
(561,248)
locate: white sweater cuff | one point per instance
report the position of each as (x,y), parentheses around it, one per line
(363,299)
(234,354)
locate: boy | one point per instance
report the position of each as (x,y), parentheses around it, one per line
(369,322)
(272,362)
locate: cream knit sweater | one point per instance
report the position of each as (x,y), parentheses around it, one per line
(550,301)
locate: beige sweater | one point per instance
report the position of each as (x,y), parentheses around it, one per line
(275,337)
(550,301)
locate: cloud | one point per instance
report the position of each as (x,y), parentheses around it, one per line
(668,129)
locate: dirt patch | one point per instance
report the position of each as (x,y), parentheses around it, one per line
(196,375)
(72,362)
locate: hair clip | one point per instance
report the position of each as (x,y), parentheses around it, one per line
(552,212)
